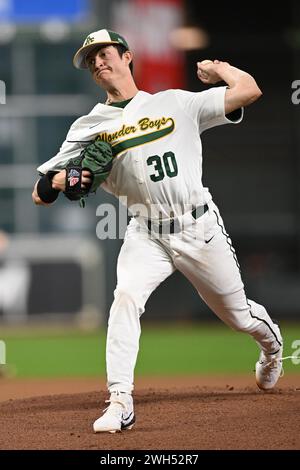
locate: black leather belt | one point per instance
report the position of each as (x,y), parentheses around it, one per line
(173,225)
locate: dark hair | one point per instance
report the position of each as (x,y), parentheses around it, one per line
(121,50)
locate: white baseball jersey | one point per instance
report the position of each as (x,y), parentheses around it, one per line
(156,141)
(157,148)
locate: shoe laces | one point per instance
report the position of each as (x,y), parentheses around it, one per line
(274,363)
(114,406)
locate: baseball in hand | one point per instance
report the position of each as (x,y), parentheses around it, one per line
(201,73)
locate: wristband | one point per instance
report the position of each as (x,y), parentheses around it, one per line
(44,188)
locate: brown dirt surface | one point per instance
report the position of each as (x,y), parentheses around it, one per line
(174,413)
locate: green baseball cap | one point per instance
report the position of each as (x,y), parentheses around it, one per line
(98,38)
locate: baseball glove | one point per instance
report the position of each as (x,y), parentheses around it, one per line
(97,158)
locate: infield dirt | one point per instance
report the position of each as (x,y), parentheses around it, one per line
(172,413)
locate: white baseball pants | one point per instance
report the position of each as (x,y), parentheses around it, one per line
(202,251)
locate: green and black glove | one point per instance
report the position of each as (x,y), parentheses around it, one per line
(97,158)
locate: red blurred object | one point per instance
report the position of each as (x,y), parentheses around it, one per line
(158,66)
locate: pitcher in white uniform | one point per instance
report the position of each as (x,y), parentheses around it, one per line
(156,141)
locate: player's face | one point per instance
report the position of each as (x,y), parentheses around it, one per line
(106,66)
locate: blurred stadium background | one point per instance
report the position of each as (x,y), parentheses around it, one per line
(253,170)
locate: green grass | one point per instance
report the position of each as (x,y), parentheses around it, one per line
(56,354)
(167,350)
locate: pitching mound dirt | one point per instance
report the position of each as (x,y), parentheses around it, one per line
(193,418)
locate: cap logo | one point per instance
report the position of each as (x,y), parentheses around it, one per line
(88,40)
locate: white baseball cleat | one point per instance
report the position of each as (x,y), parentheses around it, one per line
(118,416)
(268,369)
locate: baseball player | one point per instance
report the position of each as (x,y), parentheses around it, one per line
(157,165)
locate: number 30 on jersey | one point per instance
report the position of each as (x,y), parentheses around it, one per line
(162,166)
